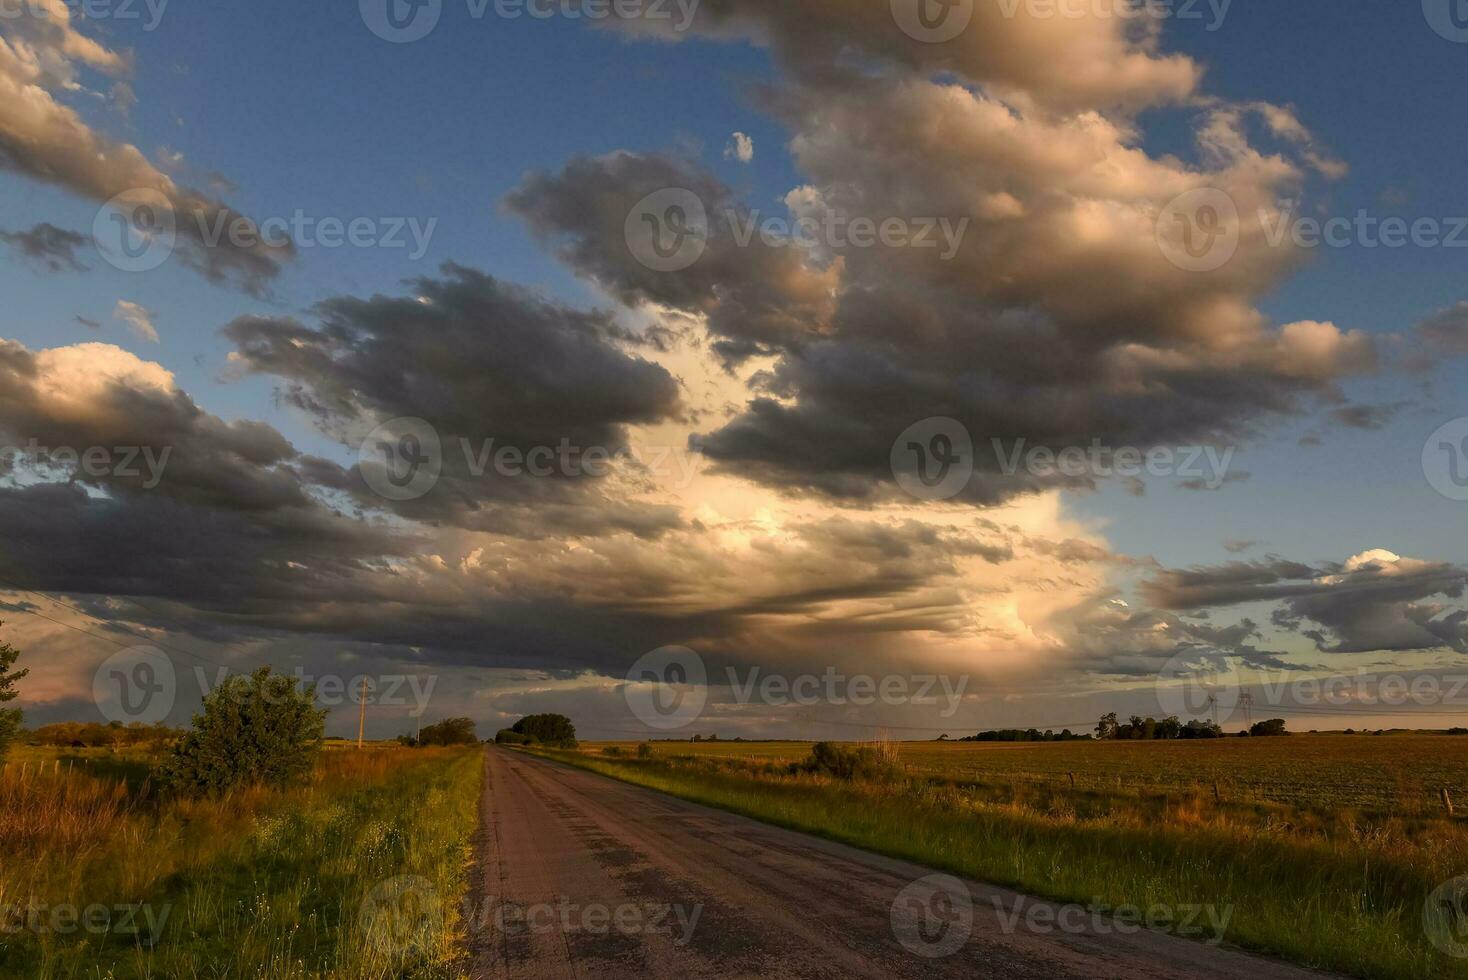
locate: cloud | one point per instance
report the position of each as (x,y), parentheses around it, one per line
(137,317)
(1367,416)
(740,148)
(491,367)
(46,140)
(54,249)
(1055,318)
(1375,600)
(1446,332)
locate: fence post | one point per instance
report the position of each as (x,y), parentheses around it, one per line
(1447,801)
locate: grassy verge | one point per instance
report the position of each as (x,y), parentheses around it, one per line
(354,875)
(1348,897)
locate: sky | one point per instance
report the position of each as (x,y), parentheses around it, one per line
(632,244)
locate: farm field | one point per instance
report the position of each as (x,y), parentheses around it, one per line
(1403,773)
(103,876)
(1328,851)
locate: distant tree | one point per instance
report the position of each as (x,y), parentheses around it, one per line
(257,729)
(9,717)
(548,729)
(508,736)
(1272,727)
(1106,727)
(1169,728)
(450,731)
(1197,728)
(644,751)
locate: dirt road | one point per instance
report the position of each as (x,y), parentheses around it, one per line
(582,876)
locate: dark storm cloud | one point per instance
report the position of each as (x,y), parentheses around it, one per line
(479,360)
(50,247)
(1375,601)
(758,298)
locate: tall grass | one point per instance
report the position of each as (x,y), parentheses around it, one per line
(1343,891)
(294,883)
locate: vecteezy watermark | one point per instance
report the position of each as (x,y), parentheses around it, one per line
(1201,230)
(403,459)
(935,459)
(933,21)
(1212,11)
(1198,231)
(933,917)
(1445,917)
(138,230)
(140,921)
(412,691)
(1449,18)
(406,21)
(567,917)
(669,230)
(836,688)
(138,684)
(667,689)
(1207,465)
(402,916)
(1195,685)
(149,11)
(1201,684)
(1207,923)
(835,230)
(143,463)
(1445,459)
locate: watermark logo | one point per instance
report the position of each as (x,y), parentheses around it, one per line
(933,459)
(1206,923)
(1448,17)
(401,21)
(1198,231)
(668,230)
(401,459)
(1192,685)
(136,231)
(1445,917)
(401,915)
(667,688)
(933,21)
(1445,459)
(138,684)
(142,924)
(571,919)
(933,917)
(120,10)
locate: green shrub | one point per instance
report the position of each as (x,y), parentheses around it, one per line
(450,731)
(644,751)
(9,717)
(253,729)
(840,762)
(508,736)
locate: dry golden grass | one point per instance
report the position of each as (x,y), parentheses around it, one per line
(256,883)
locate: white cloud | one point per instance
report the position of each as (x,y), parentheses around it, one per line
(137,317)
(741,148)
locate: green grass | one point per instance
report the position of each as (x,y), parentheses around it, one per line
(1343,892)
(358,874)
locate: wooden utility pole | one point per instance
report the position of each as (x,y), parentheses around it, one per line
(362,714)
